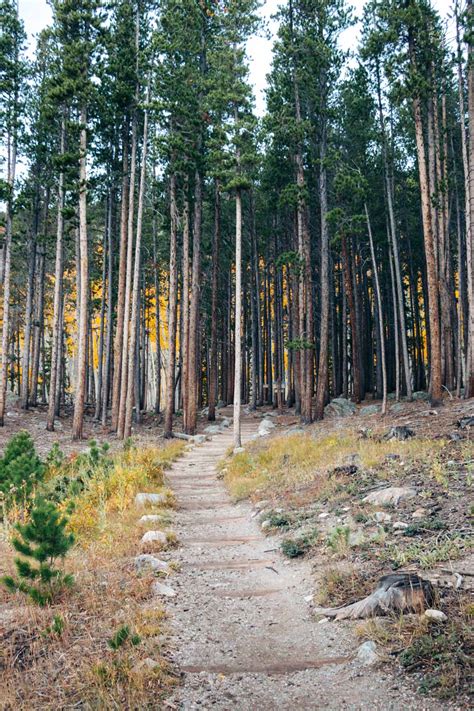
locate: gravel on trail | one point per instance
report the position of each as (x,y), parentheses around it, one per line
(242,633)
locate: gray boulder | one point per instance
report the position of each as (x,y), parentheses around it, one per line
(155,537)
(149,562)
(265,427)
(340,407)
(391,496)
(158,588)
(367,654)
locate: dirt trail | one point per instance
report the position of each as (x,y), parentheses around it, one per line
(243,635)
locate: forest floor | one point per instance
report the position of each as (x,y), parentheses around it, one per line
(262,539)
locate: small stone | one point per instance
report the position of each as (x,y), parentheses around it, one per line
(390,495)
(155,537)
(158,588)
(419,513)
(308,598)
(259,505)
(340,407)
(239,450)
(367,654)
(400,526)
(146,561)
(199,439)
(265,427)
(435,615)
(382,517)
(265,525)
(142,499)
(324,514)
(323,620)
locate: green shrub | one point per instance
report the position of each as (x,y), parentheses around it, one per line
(20,467)
(296,547)
(42,541)
(123,635)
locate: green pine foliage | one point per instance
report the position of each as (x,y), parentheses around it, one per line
(42,542)
(20,467)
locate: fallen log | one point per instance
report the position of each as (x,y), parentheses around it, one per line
(397,592)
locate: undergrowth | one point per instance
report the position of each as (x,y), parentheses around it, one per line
(294,460)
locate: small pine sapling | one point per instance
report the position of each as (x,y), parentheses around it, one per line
(42,541)
(20,467)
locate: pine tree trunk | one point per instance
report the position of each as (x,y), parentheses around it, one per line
(469,383)
(83,296)
(58,293)
(238,319)
(324,286)
(213,371)
(378,297)
(433,310)
(194,360)
(136,290)
(172,311)
(122,270)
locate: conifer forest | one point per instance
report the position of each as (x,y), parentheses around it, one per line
(201,247)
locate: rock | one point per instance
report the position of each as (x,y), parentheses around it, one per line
(419,513)
(435,615)
(142,499)
(260,505)
(239,450)
(340,407)
(369,410)
(465,422)
(265,427)
(367,654)
(455,436)
(226,422)
(265,525)
(213,429)
(392,457)
(155,537)
(147,664)
(382,517)
(158,588)
(220,404)
(346,469)
(401,433)
(146,561)
(399,526)
(356,538)
(420,395)
(324,514)
(199,438)
(151,518)
(392,495)
(397,407)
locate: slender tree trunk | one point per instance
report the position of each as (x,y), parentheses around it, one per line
(324,286)
(378,297)
(118,342)
(194,360)
(58,293)
(78,419)
(213,372)
(436,393)
(469,384)
(136,288)
(172,311)
(238,319)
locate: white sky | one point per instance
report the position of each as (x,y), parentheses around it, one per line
(36,15)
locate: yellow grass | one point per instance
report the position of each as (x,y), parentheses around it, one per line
(298,459)
(76,667)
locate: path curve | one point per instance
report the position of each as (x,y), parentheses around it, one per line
(242,632)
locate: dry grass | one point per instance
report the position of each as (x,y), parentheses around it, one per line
(299,459)
(342,586)
(59,656)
